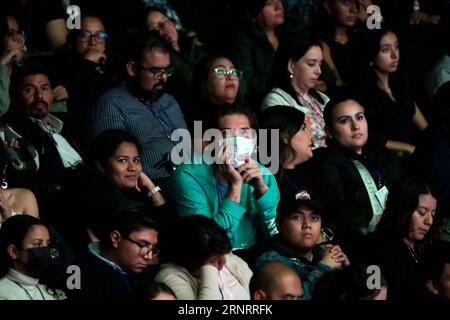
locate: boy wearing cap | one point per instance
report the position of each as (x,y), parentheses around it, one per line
(299,221)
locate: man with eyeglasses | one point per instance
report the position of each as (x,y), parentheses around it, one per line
(141,107)
(124,260)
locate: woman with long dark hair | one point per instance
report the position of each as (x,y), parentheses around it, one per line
(390,109)
(407,226)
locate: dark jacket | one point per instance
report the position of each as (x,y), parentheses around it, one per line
(431,161)
(100,280)
(47,181)
(346,201)
(51,166)
(398,265)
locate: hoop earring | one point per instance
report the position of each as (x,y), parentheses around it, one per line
(4,184)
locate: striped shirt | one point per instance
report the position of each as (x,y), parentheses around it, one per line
(151,124)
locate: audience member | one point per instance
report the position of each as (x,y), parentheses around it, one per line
(350,284)
(299,220)
(123,261)
(198,263)
(275,281)
(354,173)
(295,73)
(237,192)
(141,107)
(24,255)
(399,243)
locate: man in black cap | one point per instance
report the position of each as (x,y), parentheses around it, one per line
(300,241)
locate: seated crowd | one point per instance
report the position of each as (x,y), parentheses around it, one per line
(289,159)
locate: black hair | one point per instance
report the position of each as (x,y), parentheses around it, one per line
(129,216)
(193,240)
(239,108)
(402,201)
(106,144)
(292,47)
(141,42)
(324,22)
(147,11)
(200,77)
(335,100)
(3,30)
(253,7)
(28,68)
(440,106)
(367,49)
(288,121)
(436,257)
(154,289)
(13,231)
(349,283)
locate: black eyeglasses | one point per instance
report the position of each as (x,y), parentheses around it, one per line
(15,35)
(221,72)
(99,37)
(158,73)
(144,250)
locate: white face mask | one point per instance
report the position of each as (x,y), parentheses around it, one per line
(240,148)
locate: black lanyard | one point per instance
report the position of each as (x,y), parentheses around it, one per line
(26,291)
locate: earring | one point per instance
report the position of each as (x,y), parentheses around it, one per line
(371,63)
(4,184)
(291,76)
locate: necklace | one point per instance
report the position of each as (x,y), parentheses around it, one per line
(413,254)
(26,291)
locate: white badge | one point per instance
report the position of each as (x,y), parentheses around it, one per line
(382,195)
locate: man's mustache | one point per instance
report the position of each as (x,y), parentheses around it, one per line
(39,101)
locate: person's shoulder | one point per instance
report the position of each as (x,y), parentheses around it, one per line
(119,91)
(195,169)
(21,195)
(167,98)
(170,270)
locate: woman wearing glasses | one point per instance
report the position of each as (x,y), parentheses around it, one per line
(12,50)
(295,73)
(83,64)
(198,263)
(216,82)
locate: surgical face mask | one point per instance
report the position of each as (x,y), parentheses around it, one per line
(39,260)
(240,148)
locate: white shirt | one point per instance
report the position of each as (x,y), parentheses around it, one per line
(69,155)
(17,286)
